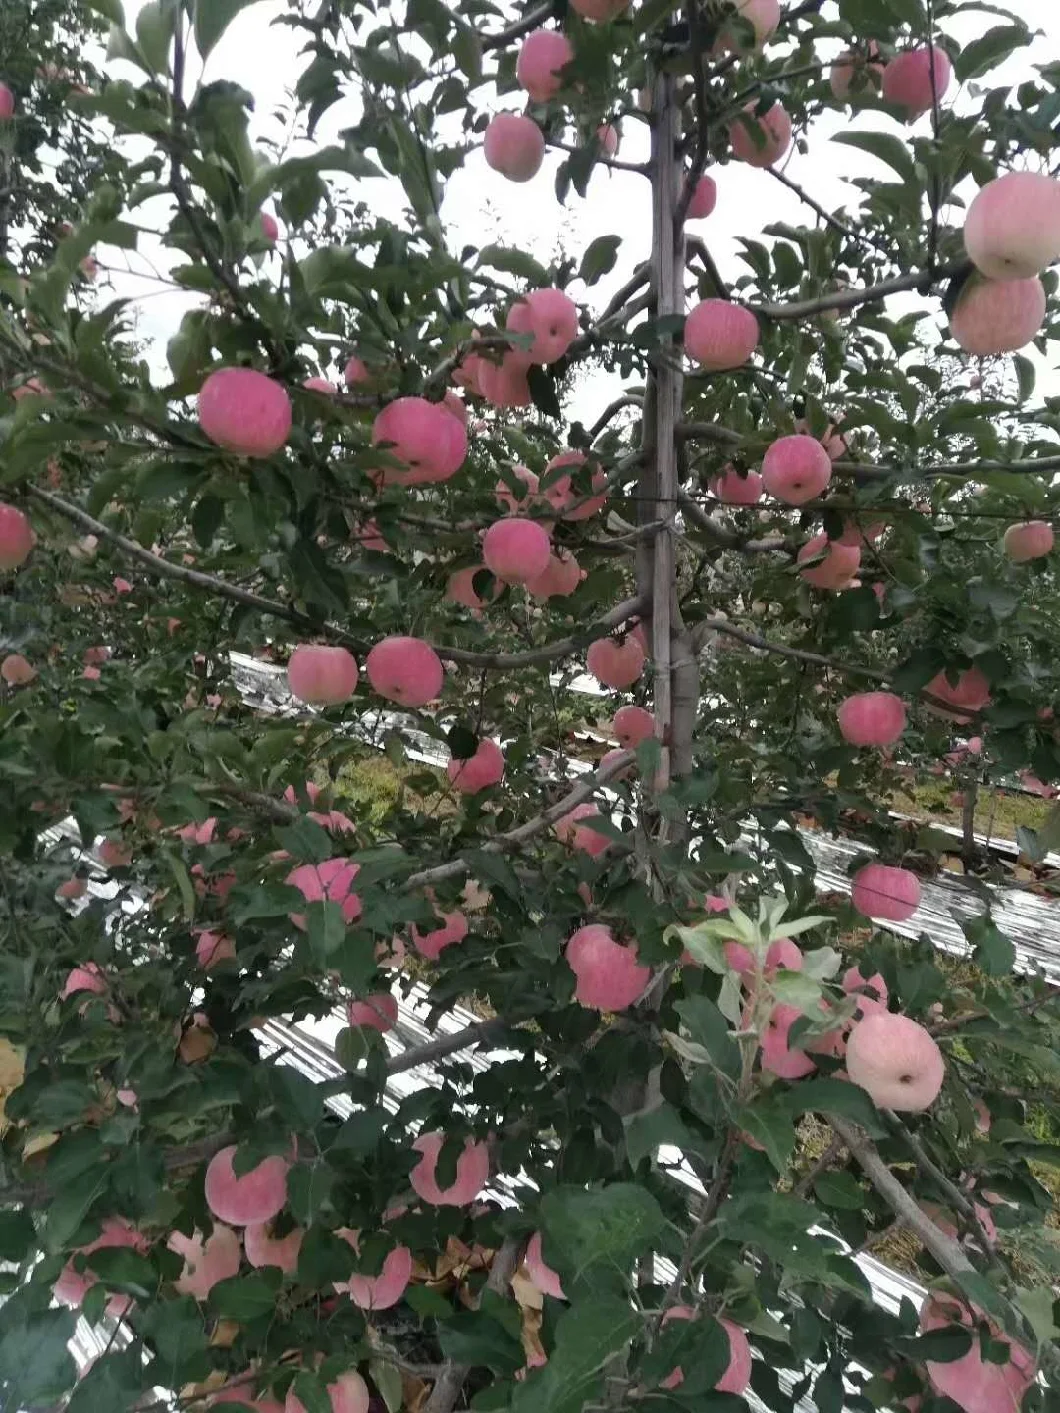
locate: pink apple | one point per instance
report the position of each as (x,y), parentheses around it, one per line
(761,140)
(472,1172)
(328,882)
(428,441)
(720,335)
(551,317)
(516,550)
(7,103)
(572,829)
(599,11)
(615,664)
(971,692)
(460,589)
(383,1291)
(269,227)
(405,670)
(432,944)
(560,493)
(256,1196)
(514,145)
(778,1056)
(879,891)
(84,978)
(505,384)
(559,579)
(908,82)
(515,501)
(541,1274)
(320,675)
(211,948)
(378,1012)
(796,469)
(997,316)
(633,724)
(608,976)
(206,1260)
(543,54)
(1012,229)
(16,537)
(16,671)
(872,719)
(973,1383)
(245,412)
(608,137)
(347,1394)
(733,489)
(896,1061)
(356,373)
(480,771)
(1032,539)
(764,15)
(837,568)
(871,991)
(704,199)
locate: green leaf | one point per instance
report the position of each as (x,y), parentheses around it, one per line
(587,1336)
(835,1096)
(121,1268)
(110,10)
(708,1027)
(839,1190)
(646,1133)
(243,1297)
(212,18)
(892,151)
(600,258)
(773,1128)
(602,1231)
(154,33)
(994,951)
(17,1235)
(476,1338)
(543,391)
(989,50)
(513,262)
(36,1366)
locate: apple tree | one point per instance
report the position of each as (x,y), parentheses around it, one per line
(346,667)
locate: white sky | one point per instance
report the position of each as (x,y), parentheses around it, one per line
(258,55)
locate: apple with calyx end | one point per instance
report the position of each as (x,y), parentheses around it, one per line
(514,145)
(551,317)
(16,537)
(720,335)
(320,675)
(607,974)
(896,1061)
(16,671)
(1012,229)
(207,1260)
(796,469)
(872,718)
(615,664)
(543,54)
(405,670)
(1032,539)
(472,1172)
(997,316)
(837,568)
(516,550)
(761,139)
(908,82)
(778,1056)
(256,1196)
(245,412)
(478,772)
(633,724)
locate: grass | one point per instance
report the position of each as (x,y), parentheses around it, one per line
(998,813)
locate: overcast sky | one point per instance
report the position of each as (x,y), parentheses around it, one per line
(258,55)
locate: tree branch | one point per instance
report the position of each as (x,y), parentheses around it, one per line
(548,651)
(445,1045)
(531,20)
(922,280)
(584,790)
(945,1250)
